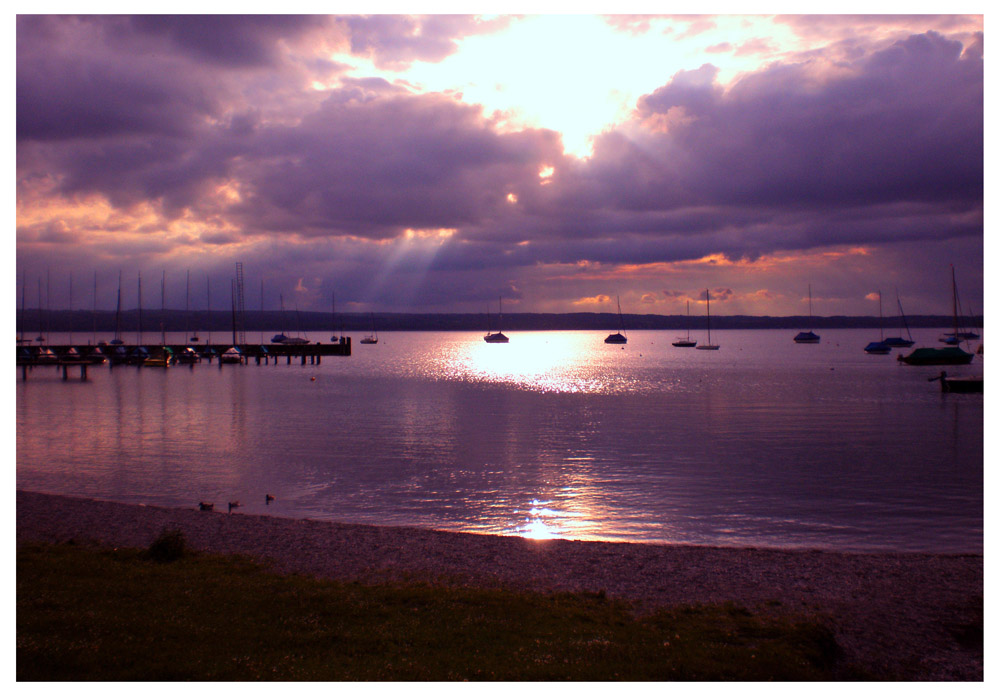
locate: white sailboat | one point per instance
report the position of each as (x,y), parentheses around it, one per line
(686,342)
(618,337)
(808,336)
(497,337)
(372,338)
(708,322)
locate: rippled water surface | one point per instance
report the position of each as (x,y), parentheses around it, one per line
(764,442)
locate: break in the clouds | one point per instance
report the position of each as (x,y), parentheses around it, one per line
(755,156)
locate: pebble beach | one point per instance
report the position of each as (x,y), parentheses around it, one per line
(898,615)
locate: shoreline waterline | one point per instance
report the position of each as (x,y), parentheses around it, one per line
(889,611)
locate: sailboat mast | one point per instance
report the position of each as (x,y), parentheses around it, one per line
(71,308)
(163,307)
(903,316)
(810,306)
(24,283)
(187,306)
(708,314)
(48,304)
(118,310)
(94,315)
(208,306)
(954,300)
(881,333)
(41,323)
(140,308)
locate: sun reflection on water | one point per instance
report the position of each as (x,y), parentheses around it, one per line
(571,362)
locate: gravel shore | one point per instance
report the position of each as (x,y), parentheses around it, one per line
(904,615)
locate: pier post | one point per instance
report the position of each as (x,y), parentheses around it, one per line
(303,358)
(319,359)
(65,372)
(83,372)
(24,373)
(289,356)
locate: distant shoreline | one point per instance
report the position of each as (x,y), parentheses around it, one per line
(31,320)
(895,613)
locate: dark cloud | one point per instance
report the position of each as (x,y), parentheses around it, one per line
(394,42)
(230,40)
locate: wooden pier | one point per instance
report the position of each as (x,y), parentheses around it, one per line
(83,357)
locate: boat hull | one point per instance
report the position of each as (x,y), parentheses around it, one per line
(962,385)
(937,356)
(684,343)
(616,338)
(496,338)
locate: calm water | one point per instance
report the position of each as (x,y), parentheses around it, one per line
(765,442)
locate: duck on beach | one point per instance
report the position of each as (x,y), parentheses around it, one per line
(234,504)
(268,499)
(206,506)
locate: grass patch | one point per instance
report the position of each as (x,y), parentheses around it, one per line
(95,614)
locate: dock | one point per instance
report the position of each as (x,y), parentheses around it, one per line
(82,357)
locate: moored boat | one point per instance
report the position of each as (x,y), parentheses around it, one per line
(808,336)
(618,337)
(949,355)
(491,337)
(158,357)
(708,324)
(231,356)
(685,341)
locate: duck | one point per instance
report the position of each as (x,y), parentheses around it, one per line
(234,504)
(206,506)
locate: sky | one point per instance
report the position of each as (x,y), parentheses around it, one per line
(434,163)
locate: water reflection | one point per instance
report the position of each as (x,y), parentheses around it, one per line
(570,362)
(554,435)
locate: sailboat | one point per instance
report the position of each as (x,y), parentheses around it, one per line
(956,337)
(686,342)
(372,338)
(117,340)
(497,337)
(618,337)
(949,355)
(878,347)
(899,341)
(297,339)
(807,336)
(194,336)
(708,324)
(280,337)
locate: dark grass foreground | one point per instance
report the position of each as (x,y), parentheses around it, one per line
(86,613)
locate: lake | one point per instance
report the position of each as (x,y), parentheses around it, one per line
(556,434)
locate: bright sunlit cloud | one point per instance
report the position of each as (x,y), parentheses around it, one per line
(579,75)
